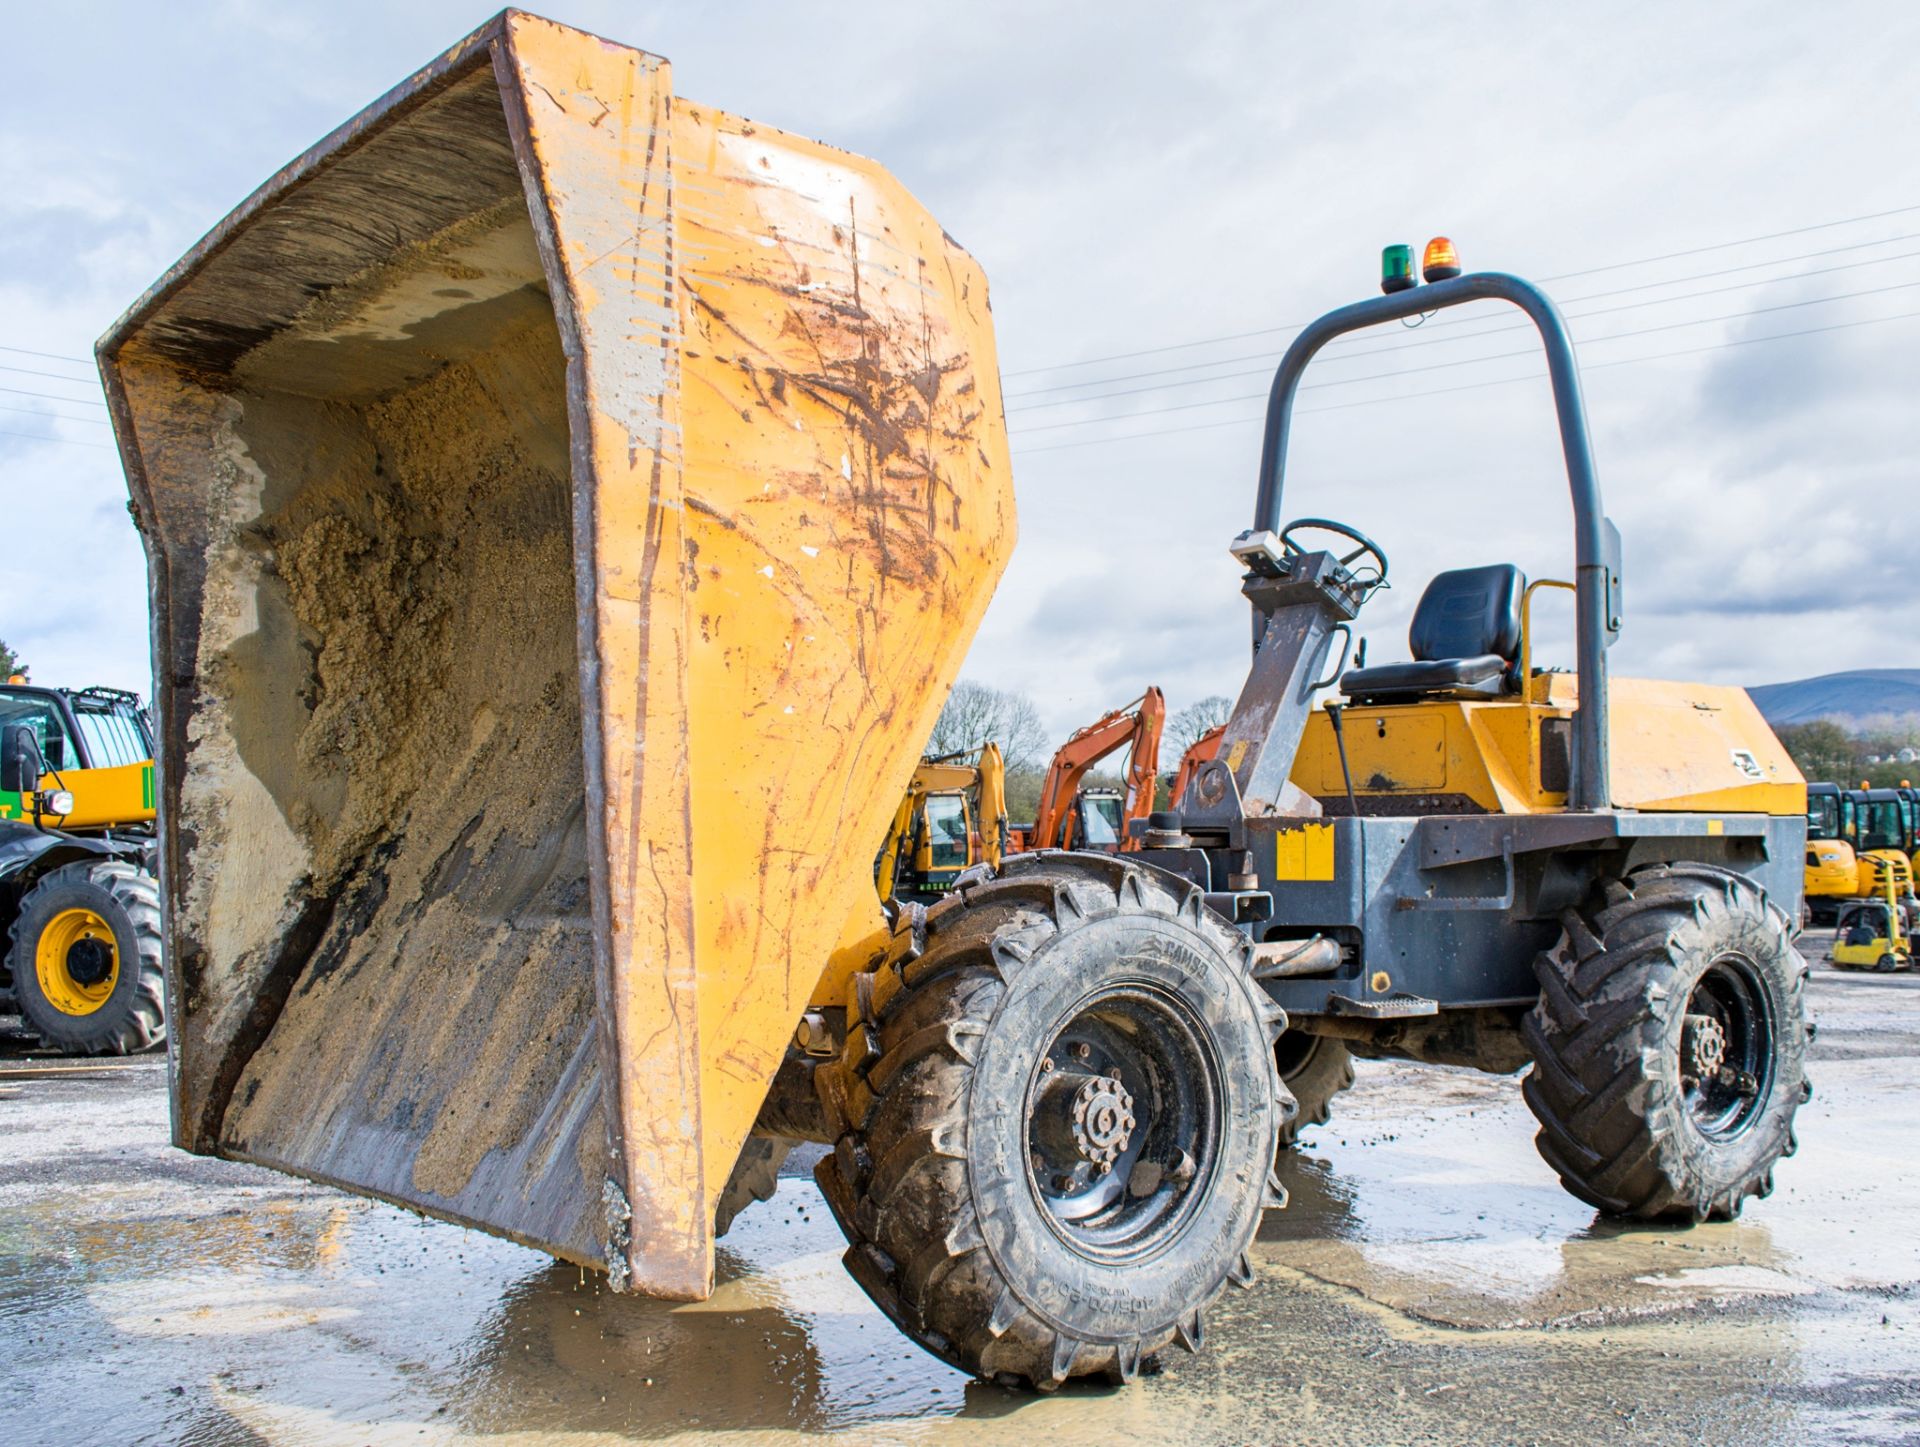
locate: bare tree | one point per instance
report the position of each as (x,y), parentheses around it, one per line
(1188,724)
(975,713)
(1823,750)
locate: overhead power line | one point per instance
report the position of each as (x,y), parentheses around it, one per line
(1464,361)
(1458,332)
(55,416)
(59,441)
(53,397)
(1562,276)
(57,376)
(1256,419)
(50,356)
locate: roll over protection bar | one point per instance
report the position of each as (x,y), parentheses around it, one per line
(1596,543)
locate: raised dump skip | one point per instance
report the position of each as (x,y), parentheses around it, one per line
(567,509)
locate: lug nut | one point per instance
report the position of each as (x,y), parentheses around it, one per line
(1082,1050)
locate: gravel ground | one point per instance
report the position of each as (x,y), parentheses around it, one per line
(1429,1282)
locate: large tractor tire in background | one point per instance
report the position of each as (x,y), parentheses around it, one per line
(1670,1045)
(1314,1069)
(85,958)
(1056,1112)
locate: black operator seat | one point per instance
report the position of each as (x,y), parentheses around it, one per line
(1465,639)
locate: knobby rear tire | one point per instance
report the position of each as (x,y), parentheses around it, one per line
(1611,1050)
(1314,1068)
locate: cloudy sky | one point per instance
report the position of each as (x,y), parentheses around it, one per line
(1724,197)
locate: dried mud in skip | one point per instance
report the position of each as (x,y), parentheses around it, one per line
(1430,1282)
(429,543)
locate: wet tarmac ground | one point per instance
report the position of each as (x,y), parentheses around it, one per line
(1430,1282)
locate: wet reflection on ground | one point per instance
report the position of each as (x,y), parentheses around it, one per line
(1429,1281)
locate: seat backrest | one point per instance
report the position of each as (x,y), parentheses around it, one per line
(1469,612)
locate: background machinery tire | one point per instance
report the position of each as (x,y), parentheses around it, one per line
(756,1176)
(1314,1069)
(85,957)
(1669,1045)
(1056,1115)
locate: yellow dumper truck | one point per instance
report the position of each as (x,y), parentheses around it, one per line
(568,507)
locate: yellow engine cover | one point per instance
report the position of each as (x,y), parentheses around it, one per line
(1680,747)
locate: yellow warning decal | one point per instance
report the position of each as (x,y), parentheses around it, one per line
(1235,755)
(1304,853)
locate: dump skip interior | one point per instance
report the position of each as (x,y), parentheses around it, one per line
(386,920)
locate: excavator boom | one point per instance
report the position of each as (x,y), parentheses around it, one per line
(1138,725)
(1202,750)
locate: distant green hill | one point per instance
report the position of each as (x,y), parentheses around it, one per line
(1850,699)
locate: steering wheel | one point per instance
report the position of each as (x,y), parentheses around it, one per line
(1368,547)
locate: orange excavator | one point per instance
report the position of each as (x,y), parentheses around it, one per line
(1201,751)
(1070,817)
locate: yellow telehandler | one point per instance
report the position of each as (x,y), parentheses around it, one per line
(79,906)
(544,425)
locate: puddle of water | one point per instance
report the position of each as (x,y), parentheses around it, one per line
(1450,1214)
(246,1308)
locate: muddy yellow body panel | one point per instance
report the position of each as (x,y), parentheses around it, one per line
(1676,747)
(567,508)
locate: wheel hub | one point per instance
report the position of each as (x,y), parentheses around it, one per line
(1726,1049)
(75,961)
(1121,1122)
(1704,1046)
(1102,1119)
(89,962)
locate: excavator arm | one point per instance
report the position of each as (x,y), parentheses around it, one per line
(887,867)
(993,804)
(1201,751)
(1137,724)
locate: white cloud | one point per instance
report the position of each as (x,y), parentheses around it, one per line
(1133,176)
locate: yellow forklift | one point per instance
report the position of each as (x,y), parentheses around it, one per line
(78,898)
(1871,934)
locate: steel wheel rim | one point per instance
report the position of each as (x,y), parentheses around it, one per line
(1124,1123)
(77,961)
(1722,1104)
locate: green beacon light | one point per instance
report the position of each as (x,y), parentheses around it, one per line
(1396,269)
